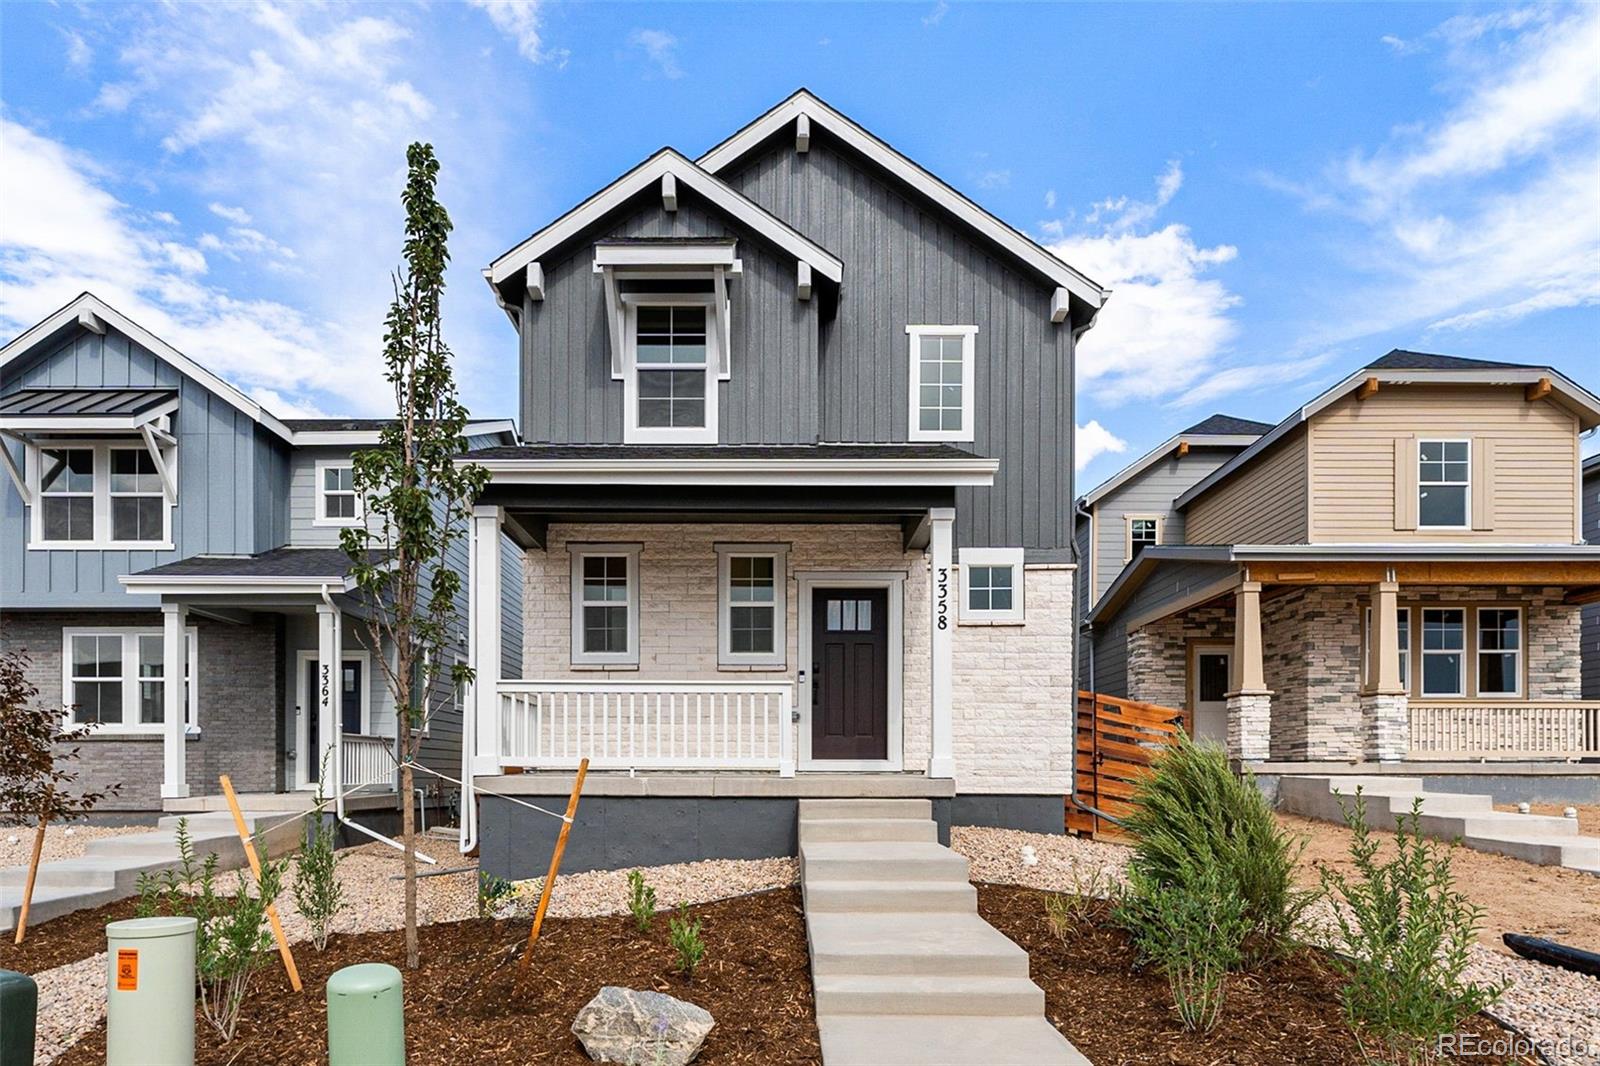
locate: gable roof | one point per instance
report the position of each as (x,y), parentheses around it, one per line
(94,313)
(1400,367)
(665,162)
(805,104)
(1217,431)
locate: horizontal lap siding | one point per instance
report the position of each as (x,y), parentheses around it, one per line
(1535,462)
(906,263)
(1265,503)
(1151,492)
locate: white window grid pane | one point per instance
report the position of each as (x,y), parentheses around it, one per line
(1443,651)
(940,385)
(751,579)
(672,398)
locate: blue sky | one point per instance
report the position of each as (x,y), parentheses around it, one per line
(1277,194)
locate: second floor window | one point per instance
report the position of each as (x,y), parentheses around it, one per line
(99,495)
(137,505)
(670,384)
(1444,481)
(338,503)
(941,382)
(1142,533)
(66,494)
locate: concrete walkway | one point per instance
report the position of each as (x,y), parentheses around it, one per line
(110,867)
(905,972)
(1539,839)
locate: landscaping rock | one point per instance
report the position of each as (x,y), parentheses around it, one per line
(621,1025)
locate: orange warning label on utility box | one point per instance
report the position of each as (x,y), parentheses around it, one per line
(127,969)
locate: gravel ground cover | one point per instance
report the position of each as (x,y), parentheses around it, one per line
(471,1002)
(60,841)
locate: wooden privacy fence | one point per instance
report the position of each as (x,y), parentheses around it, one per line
(1117,738)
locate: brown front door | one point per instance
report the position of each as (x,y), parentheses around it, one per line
(850,674)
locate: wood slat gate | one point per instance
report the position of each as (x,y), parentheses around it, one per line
(1116,740)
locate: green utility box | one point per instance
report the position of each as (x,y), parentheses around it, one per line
(366,1016)
(150,992)
(19,1009)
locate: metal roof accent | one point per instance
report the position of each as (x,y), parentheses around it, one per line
(83,403)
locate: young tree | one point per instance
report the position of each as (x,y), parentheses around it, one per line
(35,781)
(418,499)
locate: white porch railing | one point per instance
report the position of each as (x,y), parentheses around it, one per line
(1526,729)
(661,725)
(367,760)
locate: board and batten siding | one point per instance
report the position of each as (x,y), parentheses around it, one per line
(228,467)
(907,263)
(568,393)
(1531,463)
(1265,503)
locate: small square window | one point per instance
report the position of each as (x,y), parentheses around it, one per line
(338,502)
(991,586)
(1142,533)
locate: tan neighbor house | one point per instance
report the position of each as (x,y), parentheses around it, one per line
(1394,572)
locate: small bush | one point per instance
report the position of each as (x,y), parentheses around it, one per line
(641,901)
(491,890)
(685,937)
(317,892)
(1194,815)
(1067,911)
(1192,932)
(1407,936)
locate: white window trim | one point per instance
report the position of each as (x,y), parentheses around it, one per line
(1012,557)
(130,679)
(806,581)
(777,658)
(716,360)
(1127,532)
(306,706)
(321,518)
(1467,620)
(914,335)
(1479,651)
(627,659)
(1466,522)
(102,541)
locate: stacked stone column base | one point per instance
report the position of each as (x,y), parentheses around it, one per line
(1384,726)
(1249,725)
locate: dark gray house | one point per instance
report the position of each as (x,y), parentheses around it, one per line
(152,513)
(796,498)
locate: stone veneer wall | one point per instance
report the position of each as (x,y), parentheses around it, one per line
(1158,653)
(240,711)
(1012,718)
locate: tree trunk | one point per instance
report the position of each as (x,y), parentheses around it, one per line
(33,873)
(408,834)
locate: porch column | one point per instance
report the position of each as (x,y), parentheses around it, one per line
(174,707)
(1249,699)
(941,762)
(330,661)
(1384,714)
(483,638)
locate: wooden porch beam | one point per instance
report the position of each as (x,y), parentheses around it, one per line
(1487,572)
(1538,390)
(1368,389)
(1583,597)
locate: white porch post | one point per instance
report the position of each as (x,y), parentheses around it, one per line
(174,708)
(1384,711)
(941,762)
(483,637)
(330,662)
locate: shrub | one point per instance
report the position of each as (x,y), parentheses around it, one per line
(1407,936)
(641,901)
(232,936)
(491,890)
(685,937)
(1066,911)
(1193,815)
(1191,931)
(317,892)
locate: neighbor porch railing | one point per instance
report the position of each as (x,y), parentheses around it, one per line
(1525,729)
(663,725)
(367,760)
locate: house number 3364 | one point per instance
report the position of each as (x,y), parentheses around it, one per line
(942,600)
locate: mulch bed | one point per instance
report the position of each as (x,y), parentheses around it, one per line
(1286,1012)
(62,940)
(470,1002)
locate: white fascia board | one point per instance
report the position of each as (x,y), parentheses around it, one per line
(647,175)
(803,103)
(93,305)
(665,254)
(913,472)
(1161,451)
(159,585)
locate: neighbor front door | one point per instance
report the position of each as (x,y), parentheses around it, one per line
(1209,699)
(850,673)
(350,682)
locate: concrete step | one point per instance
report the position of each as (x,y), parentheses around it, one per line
(50,901)
(881,897)
(954,945)
(1579,853)
(1497,824)
(838,830)
(865,808)
(893,860)
(911,1040)
(990,997)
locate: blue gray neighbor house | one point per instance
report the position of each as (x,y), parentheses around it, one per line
(795,494)
(151,513)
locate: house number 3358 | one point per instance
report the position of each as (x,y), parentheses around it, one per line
(942,600)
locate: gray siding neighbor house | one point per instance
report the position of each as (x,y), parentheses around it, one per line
(795,496)
(151,512)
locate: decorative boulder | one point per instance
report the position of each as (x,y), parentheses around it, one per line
(621,1025)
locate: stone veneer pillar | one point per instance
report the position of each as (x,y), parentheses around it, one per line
(1249,699)
(1384,714)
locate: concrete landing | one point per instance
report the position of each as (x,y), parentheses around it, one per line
(905,971)
(110,867)
(1469,818)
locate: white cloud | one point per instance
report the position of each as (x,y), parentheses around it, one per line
(523,22)
(1092,441)
(936,16)
(1399,46)
(1050,199)
(1126,213)
(79,53)
(994,179)
(237,215)
(662,49)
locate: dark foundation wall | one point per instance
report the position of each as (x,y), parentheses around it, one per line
(241,691)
